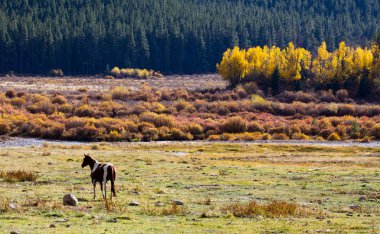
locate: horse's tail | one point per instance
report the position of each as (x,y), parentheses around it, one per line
(113,178)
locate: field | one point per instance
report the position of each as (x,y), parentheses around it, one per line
(333,189)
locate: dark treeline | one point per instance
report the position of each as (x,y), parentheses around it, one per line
(171,36)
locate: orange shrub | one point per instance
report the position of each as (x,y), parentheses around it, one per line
(334,137)
(234,125)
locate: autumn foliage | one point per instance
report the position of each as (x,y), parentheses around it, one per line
(347,67)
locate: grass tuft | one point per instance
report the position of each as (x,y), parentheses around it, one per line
(18,176)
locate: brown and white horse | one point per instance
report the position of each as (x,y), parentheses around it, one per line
(101,173)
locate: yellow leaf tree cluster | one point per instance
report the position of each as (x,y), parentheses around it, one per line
(339,66)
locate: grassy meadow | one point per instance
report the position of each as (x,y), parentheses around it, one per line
(225,188)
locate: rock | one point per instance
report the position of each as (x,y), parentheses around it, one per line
(354,207)
(52,225)
(50,163)
(14,232)
(134,203)
(113,220)
(178,203)
(13,206)
(158,204)
(70,200)
(362,198)
(82,189)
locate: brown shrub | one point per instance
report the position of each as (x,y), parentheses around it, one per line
(195,129)
(85,111)
(342,95)
(273,209)
(150,134)
(65,108)
(250,88)
(119,93)
(42,107)
(163,120)
(299,96)
(234,125)
(327,96)
(184,105)
(178,135)
(4,128)
(375,131)
(334,137)
(280,137)
(56,72)
(254,127)
(10,94)
(18,102)
(346,109)
(266,137)
(149,117)
(59,99)
(18,176)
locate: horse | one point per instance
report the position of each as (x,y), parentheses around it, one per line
(101,173)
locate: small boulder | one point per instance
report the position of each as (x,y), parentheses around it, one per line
(52,225)
(178,203)
(158,204)
(14,232)
(362,198)
(134,203)
(113,220)
(13,206)
(354,207)
(70,200)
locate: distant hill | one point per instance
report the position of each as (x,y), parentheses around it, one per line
(171,36)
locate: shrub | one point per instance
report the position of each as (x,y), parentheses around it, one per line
(184,105)
(195,129)
(375,131)
(149,117)
(42,107)
(150,134)
(234,125)
(213,138)
(65,108)
(280,136)
(157,107)
(18,176)
(85,111)
(56,72)
(115,71)
(334,137)
(109,77)
(254,127)
(18,102)
(114,136)
(164,121)
(273,209)
(266,137)
(4,128)
(300,136)
(10,94)
(178,135)
(119,93)
(82,90)
(59,99)
(342,95)
(250,88)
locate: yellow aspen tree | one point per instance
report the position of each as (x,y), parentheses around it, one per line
(321,65)
(233,66)
(342,63)
(296,60)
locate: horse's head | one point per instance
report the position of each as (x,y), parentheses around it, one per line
(86,160)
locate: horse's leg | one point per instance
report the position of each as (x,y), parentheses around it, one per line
(113,177)
(101,188)
(94,185)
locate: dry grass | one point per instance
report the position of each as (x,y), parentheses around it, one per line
(18,176)
(273,209)
(174,209)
